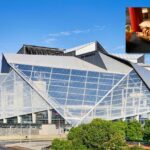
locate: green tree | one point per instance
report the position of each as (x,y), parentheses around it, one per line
(106,136)
(58,144)
(134,131)
(121,125)
(147,130)
(97,135)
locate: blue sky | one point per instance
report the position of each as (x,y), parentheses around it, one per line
(64,23)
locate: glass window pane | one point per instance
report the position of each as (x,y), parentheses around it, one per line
(75,96)
(76,90)
(91,86)
(92,79)
(93,74)
(77,84)
(57,94)
(59,82)
(90,92)
(61,71)
(90,98)
(60,77)
(57,88)
(77,78)
(79,72)
(24,67)
(42,69)
(27,73)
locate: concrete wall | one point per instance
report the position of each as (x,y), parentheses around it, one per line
(19,131)
(49,129)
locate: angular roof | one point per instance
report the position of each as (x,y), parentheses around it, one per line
(86,48)
(40,50)
(68,62)
(114,65)
(143,73)
(136,58)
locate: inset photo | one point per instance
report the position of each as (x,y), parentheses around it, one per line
(137,30)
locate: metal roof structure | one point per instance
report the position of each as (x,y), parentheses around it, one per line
(86,48)
(39,50)
(68,62)
(135,58)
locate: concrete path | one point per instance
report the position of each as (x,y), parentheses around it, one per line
(29,145)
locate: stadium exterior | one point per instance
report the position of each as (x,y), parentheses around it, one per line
(51,86)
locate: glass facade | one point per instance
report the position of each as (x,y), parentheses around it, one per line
(17,97)
(77,95)
(72,92)
(129,98)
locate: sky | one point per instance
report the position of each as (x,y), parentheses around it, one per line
(64,23)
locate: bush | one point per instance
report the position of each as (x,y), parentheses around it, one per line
(58,144)
(97,135)
(134,131)
(121,126)
(102,135)
(61,145)
(147,130)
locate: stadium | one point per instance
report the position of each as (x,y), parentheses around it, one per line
(68,87)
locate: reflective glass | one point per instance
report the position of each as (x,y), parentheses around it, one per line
(66,88)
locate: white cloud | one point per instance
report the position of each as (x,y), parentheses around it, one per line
(53,36)
(50,40)
(100,28)
(65,33)
(81,31)
(120,47)
(77,31)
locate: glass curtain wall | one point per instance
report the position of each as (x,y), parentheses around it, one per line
(129,98)
(17,97)
(73,92)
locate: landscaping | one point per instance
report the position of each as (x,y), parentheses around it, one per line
(106,135)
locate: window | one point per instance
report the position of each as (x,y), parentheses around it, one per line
(79,72)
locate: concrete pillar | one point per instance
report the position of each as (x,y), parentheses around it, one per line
(49,112)
(4,120)
(148,116)
(33,117)
(19,119)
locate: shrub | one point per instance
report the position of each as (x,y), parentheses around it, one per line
(134,131)
(147,130)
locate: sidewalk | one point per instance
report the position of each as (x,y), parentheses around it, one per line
(28,145)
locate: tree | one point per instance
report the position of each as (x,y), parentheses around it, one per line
(58,144)
(105,135)
(147,130)
(121,125)
(97,135)
(134,131)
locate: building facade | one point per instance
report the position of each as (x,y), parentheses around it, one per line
(69,87)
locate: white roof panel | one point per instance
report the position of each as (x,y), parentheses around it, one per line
(131,57)
(68,62)
(82,49)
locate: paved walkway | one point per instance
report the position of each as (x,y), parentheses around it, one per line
(28,145)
